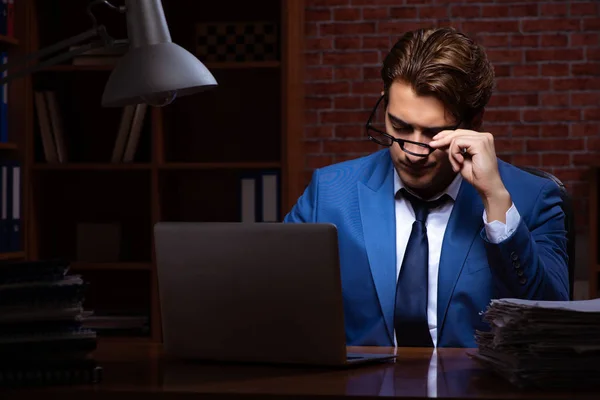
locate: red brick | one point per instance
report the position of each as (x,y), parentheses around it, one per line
(498,130)
(524,100)
(530,160)
(501,70)
(319,43)
(366,87)
(404,12)
(591,24)
(372,72)
(343,117)
(593,144)
(311,117)
(318,103)
(505,56)
(552,99)
(499,100)
(553,25)
(317,15)
(554,144)
(347,14)
(319,131)
(554,40)
(502,115)
(554,9)
(345,73)
(346,28)
(526,130)
(592,54)
(525,70)
(397,28)
(350,131)
(463,11)
(436,12)
(556,159)
(325,3)
(521,40)
(570,174)
(585,99)
(585,39)
(311,29)
(314,74)
(313,146)
(591,83)
(592,69)
(313,59)
(585,9)
(493,40)
(555,69)
(347,103)
(554,130)
(523,10)
(585,129)
(509,145)
(522,84)
(495,11)
(328,88)
(376,43)
(318,161)
(376,14)
(507,25)
(591,114)
(346,43)
(545,115)
(349,146)
(553,55)
(351,58)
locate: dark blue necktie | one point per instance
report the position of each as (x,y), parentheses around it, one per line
(410,315)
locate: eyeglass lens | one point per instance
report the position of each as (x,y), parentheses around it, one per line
(379,125)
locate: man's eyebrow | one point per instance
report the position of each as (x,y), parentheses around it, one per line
(398,121)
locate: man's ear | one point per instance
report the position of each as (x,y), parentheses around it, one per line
(477,120)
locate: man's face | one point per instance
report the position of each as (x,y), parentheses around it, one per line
(418,118)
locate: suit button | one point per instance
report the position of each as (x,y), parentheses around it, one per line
(516,264)
(519,272)
(514,256)
(523,280)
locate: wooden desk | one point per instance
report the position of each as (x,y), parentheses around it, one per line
(139,371)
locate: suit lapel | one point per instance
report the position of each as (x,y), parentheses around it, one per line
(465,223)
(377,212)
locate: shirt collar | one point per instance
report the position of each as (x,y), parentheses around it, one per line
(451,190)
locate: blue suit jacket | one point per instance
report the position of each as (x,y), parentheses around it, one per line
(357,196)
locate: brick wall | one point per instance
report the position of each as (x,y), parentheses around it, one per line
(545,112)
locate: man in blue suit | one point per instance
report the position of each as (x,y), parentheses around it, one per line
(434,225)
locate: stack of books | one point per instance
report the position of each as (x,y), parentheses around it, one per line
(542,344)
(42,341)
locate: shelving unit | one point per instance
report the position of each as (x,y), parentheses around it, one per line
(594,226)
(191,155)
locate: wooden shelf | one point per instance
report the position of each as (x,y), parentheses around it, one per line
(210,65)
(93,166)
(230,165)
(75,68)
(12,256)
(9,40)
(118,266)
(8,146)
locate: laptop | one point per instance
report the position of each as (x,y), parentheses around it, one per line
(252,293)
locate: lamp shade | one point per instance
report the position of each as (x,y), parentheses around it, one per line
(154,70)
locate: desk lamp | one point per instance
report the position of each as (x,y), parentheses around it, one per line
(154,70)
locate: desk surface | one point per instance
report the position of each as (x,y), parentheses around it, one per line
(135,371)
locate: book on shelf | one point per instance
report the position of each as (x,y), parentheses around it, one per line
(10,206)
(129,133)
(51,126)
(7,17)
(4,103)
(260,196)
(42,337)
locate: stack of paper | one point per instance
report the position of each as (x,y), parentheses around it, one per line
(42,340)
(542,343)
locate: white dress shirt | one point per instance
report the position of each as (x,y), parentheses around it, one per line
(437,221)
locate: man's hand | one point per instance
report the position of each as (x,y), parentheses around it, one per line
(473,155)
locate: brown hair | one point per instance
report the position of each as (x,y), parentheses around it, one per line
(443,63)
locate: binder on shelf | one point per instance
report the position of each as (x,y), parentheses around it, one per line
(4,231)
(14,208)
(260,196)
(4,105)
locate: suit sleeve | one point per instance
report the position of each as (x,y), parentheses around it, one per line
(305,208)
(533,261)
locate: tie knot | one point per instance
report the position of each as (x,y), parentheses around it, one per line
(422,207)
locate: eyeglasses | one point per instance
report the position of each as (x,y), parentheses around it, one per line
(376,130)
